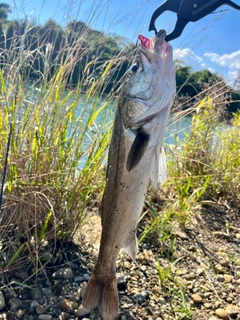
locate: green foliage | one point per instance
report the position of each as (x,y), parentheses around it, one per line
(60,136)
(192,87)
(204,168)
(48,47)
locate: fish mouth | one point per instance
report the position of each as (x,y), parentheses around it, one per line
(158,49)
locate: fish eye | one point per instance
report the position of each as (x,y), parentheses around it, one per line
(134,68)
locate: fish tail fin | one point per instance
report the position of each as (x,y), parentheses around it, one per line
(102,294)
(109,306)
(93,293)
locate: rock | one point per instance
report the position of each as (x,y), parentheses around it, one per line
(2,301)
(45,317)
(208,305)
(228,278)
(232,310)
(34,304)
(182,272)
(81,311)
(64,273)
(182,235)
(220,278)
(46,256)
(86,277)
(64,316)
(200,271)
(219,268)
(15,304)
(122,283)
(19,314)
(218,305)
(128,265)
(222,314)
(190,276)
(40,309)
(78,279)
(36,294)
(140,297)
(67,305)
(197,298)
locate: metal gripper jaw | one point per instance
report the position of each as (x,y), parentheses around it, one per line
(187,10)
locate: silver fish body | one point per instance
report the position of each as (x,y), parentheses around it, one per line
(135,157)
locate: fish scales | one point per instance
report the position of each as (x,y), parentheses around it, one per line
(135,157)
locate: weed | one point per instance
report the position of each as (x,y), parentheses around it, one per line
(59,140)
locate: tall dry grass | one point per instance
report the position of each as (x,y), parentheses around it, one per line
(58,140)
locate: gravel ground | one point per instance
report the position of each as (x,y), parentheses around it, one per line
(194,274)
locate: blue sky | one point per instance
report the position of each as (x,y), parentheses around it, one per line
(212,43)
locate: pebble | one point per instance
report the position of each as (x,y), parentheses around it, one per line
(81,311)
(34,304)
(15,304)
(64,273)
(19,314)
(197,298)
(64,316)
(66,305)
(228,278)
(40,309)
(219,268)
(36,294)
(45,317)
(46,256)
(2,301)
(182,235)
(182,272)
(86,277)
(78,279)
(140,297)
(232,310)
(200,271)
(222,314)
(220,278)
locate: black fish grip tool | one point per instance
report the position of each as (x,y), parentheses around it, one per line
(187,10)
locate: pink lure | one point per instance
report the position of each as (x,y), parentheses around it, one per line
(144,41)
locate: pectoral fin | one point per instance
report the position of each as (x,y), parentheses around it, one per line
(137,150)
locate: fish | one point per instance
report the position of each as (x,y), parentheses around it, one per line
(136,157)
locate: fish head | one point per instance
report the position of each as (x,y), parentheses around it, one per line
(150,82)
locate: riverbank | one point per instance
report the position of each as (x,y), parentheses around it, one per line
(194,274)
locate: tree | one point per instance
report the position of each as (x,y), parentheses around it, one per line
(4,12)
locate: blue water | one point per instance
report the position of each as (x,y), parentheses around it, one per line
(177,128)
(175,131)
